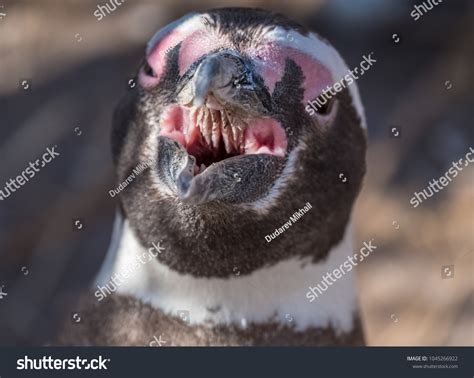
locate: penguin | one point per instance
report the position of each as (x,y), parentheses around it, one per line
(231,202)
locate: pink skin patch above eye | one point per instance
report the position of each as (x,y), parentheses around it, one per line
(271,60)
(157,58)
(196,45)
(193,46)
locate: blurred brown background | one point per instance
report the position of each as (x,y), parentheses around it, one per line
(79,67)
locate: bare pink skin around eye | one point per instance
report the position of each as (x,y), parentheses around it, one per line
(271,59)
(196,45)
(157,58)
(193,46)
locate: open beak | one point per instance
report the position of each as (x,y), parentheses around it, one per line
(221,114)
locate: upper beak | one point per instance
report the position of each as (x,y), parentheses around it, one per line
(216,83)
(215,76)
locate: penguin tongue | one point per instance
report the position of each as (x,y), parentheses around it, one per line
(213,135)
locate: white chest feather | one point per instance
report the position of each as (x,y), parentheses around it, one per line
(275,293)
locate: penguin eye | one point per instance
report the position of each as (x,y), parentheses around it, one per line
(148,70)
(325,108)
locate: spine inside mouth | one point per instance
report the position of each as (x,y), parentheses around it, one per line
(212,135)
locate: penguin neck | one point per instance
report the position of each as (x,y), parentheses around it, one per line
(271,294)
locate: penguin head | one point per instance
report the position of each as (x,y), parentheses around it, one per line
(221,119)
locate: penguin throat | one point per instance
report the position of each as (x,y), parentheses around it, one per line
(211,135)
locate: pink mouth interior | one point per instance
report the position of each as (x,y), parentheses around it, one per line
(212,135)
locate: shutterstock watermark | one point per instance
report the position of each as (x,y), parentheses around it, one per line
(157,341)
(434,185)
(118,278)
(320,101)
(28,173)
(330,277)
(50,363)
(421,9)
(107,8)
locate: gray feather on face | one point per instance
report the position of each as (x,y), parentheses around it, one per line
(211,196)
